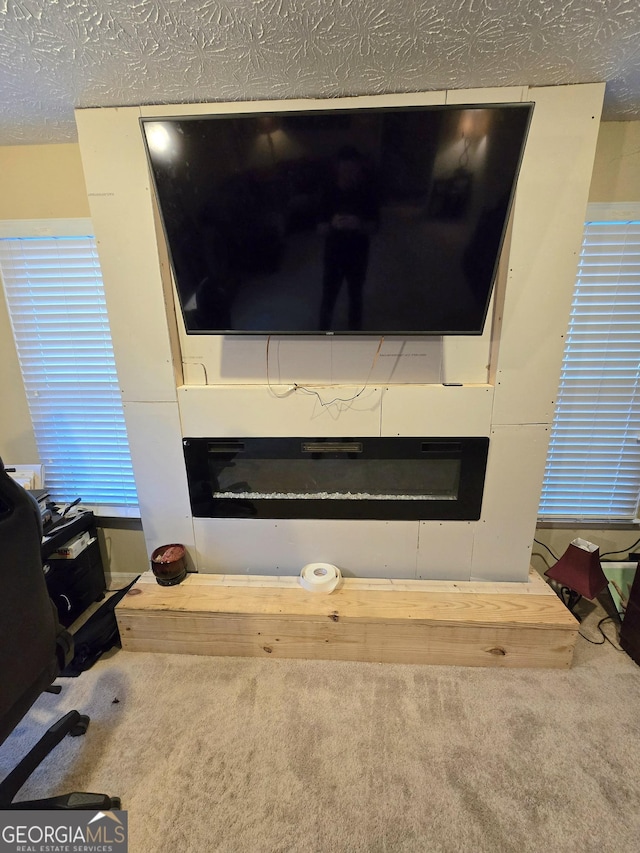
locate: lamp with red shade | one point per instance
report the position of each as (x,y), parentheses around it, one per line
(578,574)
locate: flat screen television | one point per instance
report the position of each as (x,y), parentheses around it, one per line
(367,221)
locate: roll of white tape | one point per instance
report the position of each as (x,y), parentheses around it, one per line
(320,577)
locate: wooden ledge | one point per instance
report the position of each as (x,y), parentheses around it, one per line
(462,623)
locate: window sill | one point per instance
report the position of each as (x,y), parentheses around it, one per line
(592,524)
(102,511)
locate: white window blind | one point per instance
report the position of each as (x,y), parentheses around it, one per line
(593,464)
(56,302)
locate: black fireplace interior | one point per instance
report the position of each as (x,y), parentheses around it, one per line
(346,478)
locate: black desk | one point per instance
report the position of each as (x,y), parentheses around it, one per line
(73,584)
(60,535)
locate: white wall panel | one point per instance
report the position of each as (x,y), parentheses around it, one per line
(445,549)
(242,359)
(437,410)
(161,480)
(405,396)
(392,360)
(493,95)
(399,99)
(367,549)
(120,201)
(504,535)
(548,221)
(466,358)
(233,411)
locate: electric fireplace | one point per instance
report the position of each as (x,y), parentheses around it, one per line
(389,478)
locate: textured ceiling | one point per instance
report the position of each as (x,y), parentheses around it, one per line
(59,54)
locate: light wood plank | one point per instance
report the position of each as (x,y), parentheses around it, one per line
(279,637)
(371,606)
(535,586)
(426,622)
(198,595)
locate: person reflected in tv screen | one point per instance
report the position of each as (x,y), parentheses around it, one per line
(349,215)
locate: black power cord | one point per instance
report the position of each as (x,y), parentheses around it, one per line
(622,550)
(538,542)
(604,639)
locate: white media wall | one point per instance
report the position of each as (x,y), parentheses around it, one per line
(174,385)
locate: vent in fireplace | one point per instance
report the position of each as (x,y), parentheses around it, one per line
(374,478)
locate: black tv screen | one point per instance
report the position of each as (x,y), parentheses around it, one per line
(375,221)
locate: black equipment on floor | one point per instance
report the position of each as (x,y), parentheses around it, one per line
(34,647)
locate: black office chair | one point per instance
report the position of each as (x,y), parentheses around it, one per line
(34,647)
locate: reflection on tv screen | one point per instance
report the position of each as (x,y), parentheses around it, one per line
(367,221)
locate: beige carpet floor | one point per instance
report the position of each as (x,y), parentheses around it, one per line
(232,754)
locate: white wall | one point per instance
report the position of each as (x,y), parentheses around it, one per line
(509,375)
(616,169)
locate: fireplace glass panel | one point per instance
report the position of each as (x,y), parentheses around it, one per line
(338,479)
(375,478)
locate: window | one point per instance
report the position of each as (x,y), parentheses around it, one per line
(593,464)
(55,296)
